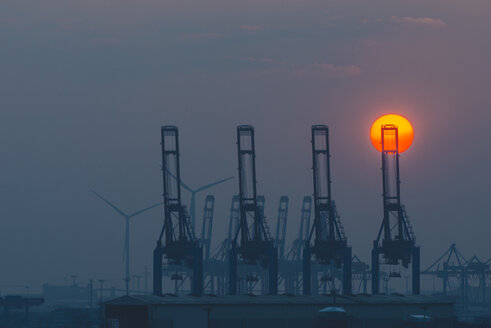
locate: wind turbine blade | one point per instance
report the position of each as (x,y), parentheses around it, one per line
(110,204)
(185,186)
(213,184)
(145,209)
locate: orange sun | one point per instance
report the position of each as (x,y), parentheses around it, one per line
(406,132)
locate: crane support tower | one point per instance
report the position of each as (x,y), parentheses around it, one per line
(177,242)
(399,246)
(207,226)
(330,246)
(291,266)
(252,241)
(281,226)
(296,250)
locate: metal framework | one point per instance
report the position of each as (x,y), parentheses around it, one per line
(450,265)
(360,272)
(176,242)
(461,277)
(295,251)
(395,240)
(216,266)
(207,225)
(329,245)
(206,230)
(291,263)
(252,242)
(476,272)
(281,226)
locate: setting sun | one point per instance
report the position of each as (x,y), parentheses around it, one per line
(406,132)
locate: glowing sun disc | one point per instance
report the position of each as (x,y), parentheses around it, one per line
(406,132)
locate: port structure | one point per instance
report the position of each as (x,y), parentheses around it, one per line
(449,266)
(176,242)
(296,250)
(395,240)
(291,265)
(280,237)
(252,244)
(207,225)
(360,272)
(461,277)
(475,271)
(206,232)
(327,242)
(217,265)
(281,224)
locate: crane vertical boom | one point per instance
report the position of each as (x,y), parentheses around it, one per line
(234,219)
(207,224)
(281,226)
(295,251)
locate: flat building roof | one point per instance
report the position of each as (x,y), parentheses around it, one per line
(284,299)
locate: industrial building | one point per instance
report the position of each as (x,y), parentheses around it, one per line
(274,311)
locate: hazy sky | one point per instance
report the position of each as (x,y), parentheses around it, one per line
(86,85)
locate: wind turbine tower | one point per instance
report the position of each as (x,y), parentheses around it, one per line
(127,217)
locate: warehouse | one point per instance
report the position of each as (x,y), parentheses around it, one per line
(282,311)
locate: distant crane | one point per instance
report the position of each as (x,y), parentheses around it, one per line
(450,264)
(281,226)
(475,268)
(207,225)
(458,273)
(280,238)
(360,271)
(126,250)
(292,264)
(295,251)
(217,264)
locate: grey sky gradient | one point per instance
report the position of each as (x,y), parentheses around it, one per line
(85,86)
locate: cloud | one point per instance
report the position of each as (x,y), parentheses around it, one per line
(201,36)
(251,27)
(424,21)
(338,71)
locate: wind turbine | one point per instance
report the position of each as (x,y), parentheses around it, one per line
(192,207)
(127,217)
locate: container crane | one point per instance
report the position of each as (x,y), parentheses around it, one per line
(176,242)
(252,243)
(397,247)
(327,241)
